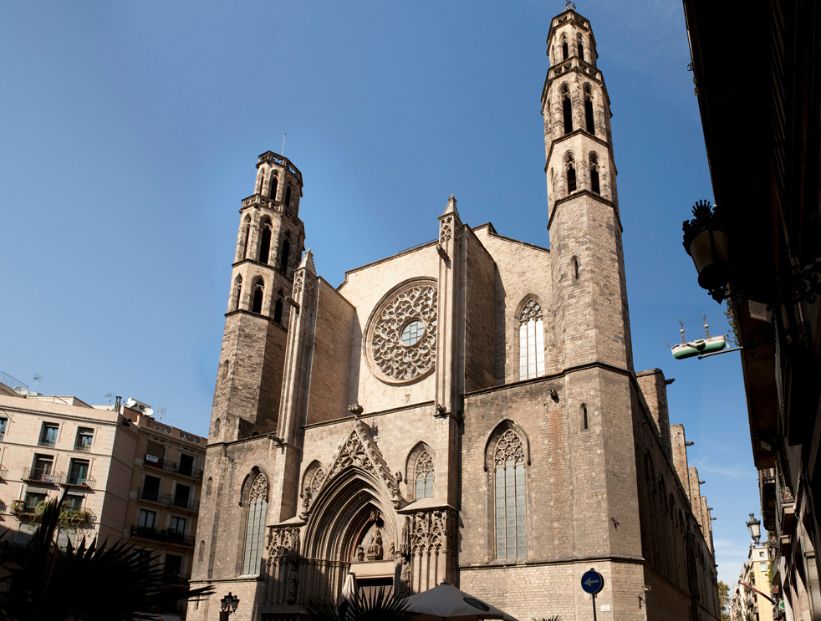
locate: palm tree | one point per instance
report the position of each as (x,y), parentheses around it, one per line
(41,582)
(376,605)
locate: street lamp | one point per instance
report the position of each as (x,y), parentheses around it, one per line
(228,604)
(754,526)
(706,241)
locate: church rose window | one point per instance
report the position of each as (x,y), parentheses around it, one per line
(402,333)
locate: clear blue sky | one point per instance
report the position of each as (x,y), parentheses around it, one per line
(130,132)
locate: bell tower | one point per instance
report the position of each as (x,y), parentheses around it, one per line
(269,245)
(583,207)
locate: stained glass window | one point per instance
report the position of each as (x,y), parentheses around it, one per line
(509,474)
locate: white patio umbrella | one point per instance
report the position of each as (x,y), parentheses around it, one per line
(446,602)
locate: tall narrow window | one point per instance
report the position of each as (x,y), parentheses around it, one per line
(261,181)
(509,479)
(284,253)
(237,292)
(595,186)
(255,525)
(265,243)
(580,46)
(575,262)
(288,196)
(258,293)
(423,475)
(589,124)
(570,167)
(567,109)
(531,340)
(565,48)
(246,236)
(585,420)
(278,308)
(274,186)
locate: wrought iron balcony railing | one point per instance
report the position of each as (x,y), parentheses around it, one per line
(171,466)
(168,500)
(41,476)
(166,536)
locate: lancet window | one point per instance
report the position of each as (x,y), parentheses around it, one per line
(570,171)
(257,296)
(264,241)
(274,186)
(589,122)
(531,340)
(423,475)
(257,507)
(509,484)
(284,253)
(278,307)
(246,235)
(580,46)
(237,293)
(567,109)
(595,185)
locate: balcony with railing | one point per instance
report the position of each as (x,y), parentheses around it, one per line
(77,481)
(185,503)
(164,536)
(170,466)
(3,472)
(69,518)
(41,476)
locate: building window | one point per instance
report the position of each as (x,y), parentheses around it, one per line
(237,293)
(509,476)
(567,109)
(278,308)
(576,267)
(151,488)
(584,417)
(265,241)
(147,519)
(173,565)
(42,468)
(255,525)
(84,440)
(259,292)
(594,174)
(177,525)
(274,186)
(423,475)
(4,422)
(570,168)
(531,340)
(580,46)
(246,236)
(78,472)
(33,500)
(565,48)
(182,496)
(186,465)
(288,196)
(208,485)
(284,255)
(73,502)
(48,434)
(590,125)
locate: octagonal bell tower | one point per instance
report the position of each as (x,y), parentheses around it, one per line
(270,241)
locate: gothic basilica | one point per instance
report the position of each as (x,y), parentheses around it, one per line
(463,411)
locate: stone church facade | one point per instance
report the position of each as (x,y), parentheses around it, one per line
(466,410)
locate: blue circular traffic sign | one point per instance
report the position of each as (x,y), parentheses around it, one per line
(592,582)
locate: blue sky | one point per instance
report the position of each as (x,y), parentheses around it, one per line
(130,133)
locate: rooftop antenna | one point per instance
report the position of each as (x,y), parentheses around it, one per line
(706,327)
(37,378)
(284,136)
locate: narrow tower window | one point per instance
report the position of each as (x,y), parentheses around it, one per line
(594,174)
(259,292)
(588,110)
(565,48)
(509,479)
(284,254)
(261,181)
(278,308)
(255,525)
(567,109)
(237,292)
(246,235)
(265,241)
(570,166)
(580,46)
(585,421)
(575,262)
(288,196)
(531,340)
(274,186)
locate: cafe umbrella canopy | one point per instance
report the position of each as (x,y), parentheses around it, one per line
(446,602)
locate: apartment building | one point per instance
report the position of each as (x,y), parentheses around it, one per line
(125,475)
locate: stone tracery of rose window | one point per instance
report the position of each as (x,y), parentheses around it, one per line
(402,333)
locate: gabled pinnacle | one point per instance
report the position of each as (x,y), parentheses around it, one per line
(451,206)
(307,262)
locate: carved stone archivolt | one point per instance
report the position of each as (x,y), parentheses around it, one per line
(282,542)
(358,451)
(402,333)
